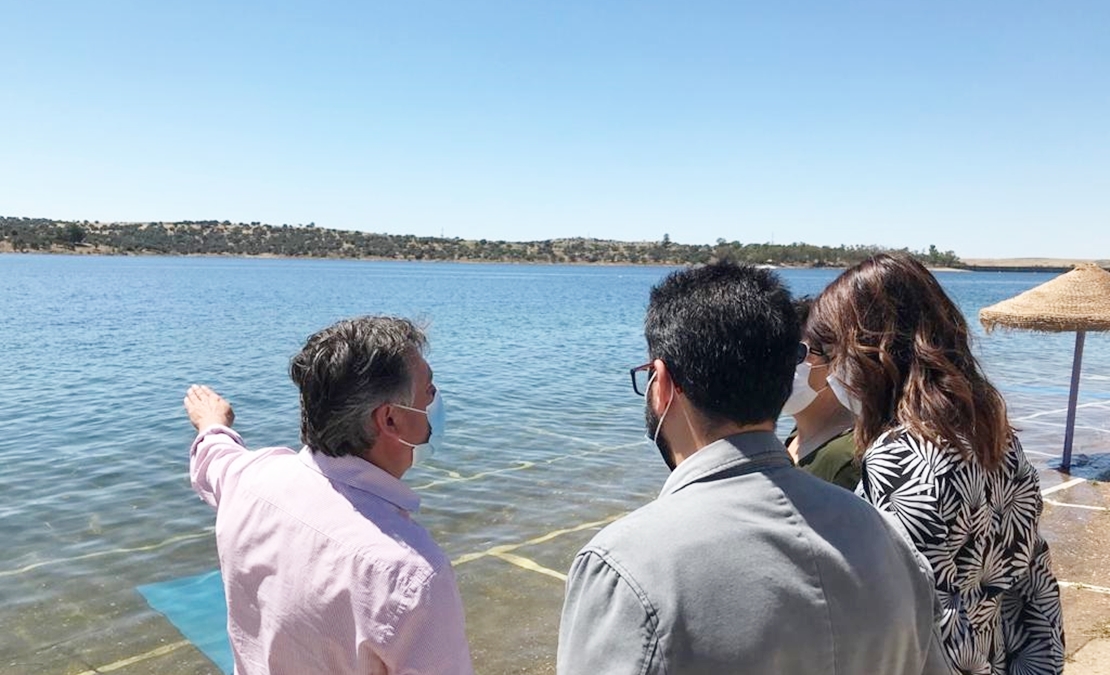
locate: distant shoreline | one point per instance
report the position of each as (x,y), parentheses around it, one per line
(61,250)
(212,238)
(1033,265)
(257,239)
(1029,264)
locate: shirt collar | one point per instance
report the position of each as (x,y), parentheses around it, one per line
(362,475)
(760,449)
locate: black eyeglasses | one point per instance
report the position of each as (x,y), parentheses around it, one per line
(816,350)
(641,375)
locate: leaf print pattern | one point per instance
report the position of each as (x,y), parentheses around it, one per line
(979,529)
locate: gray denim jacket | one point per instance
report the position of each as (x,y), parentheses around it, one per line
(745,564)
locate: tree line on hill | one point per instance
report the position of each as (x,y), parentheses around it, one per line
(210,237)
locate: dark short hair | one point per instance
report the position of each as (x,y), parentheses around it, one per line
(347,370)
(729,337)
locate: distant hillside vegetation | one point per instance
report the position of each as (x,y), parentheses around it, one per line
(210,237)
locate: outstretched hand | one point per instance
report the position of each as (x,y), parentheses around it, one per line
(206,407)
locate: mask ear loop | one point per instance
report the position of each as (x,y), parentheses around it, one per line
(821,365)
(666,410)
(415,410)
(689,425)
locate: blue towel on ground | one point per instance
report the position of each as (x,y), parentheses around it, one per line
(197,608)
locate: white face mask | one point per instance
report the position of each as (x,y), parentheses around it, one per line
(437,419)
(802,395)
(841,393)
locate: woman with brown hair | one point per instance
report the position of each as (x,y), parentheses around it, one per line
(941,456)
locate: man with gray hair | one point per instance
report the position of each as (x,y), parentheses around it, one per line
(324,569)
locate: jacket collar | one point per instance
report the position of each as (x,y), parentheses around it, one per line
(746,452)
(362,475)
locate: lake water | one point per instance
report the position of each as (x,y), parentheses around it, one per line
(544,431)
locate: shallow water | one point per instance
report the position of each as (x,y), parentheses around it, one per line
(544,431)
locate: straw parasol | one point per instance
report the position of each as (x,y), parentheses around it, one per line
(1077,301)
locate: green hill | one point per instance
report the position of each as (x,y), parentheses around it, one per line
(212,237)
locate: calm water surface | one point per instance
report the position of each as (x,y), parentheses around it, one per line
(544,431)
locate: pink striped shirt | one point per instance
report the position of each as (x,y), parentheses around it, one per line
(324,569)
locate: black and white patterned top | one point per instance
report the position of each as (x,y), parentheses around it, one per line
(978,529)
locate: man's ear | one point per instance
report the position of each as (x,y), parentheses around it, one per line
(663,388)
(382,419)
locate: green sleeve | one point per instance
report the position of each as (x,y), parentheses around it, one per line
(836,462)
(849,475)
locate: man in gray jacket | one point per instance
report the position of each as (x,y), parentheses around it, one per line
(743,564)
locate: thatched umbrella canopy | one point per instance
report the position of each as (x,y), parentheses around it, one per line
(1077,301)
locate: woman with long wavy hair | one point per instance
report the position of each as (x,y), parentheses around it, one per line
(941,456)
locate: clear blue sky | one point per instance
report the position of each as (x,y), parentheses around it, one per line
(982,127)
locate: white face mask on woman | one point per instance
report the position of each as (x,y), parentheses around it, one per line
(846,399)
(802,395)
